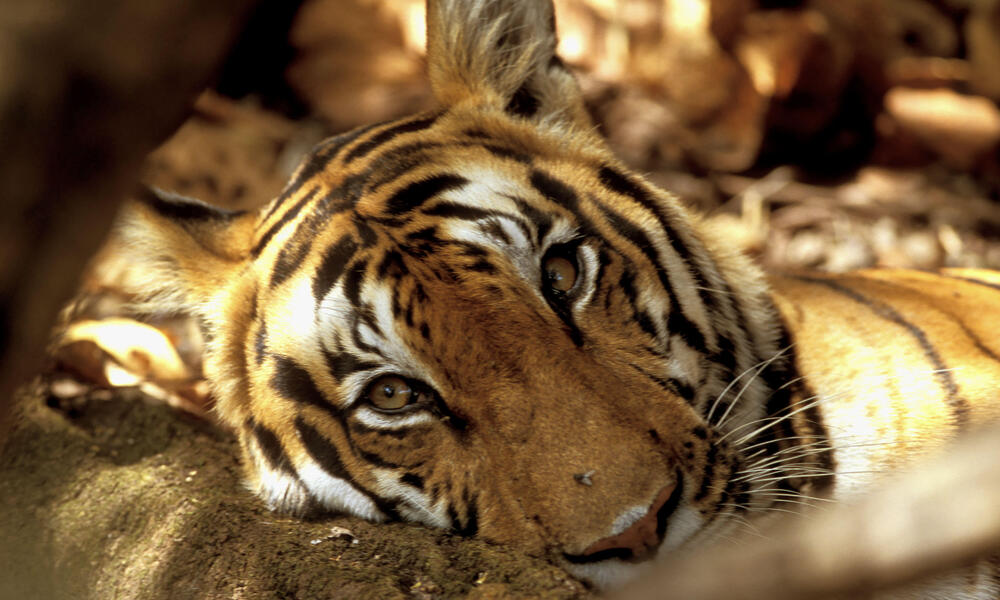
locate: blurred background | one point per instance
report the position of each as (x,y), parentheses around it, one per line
(830,134)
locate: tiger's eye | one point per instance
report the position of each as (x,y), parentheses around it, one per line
(560,273)
(390,393)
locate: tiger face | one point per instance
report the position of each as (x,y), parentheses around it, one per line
(477,319)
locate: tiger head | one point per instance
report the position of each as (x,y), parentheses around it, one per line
(478,319)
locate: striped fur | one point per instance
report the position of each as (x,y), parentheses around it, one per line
(667,397)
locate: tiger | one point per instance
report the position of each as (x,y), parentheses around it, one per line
(478,319)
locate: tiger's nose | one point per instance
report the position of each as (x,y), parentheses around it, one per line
(640,540)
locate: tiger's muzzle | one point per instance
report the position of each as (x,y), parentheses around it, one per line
(640,540)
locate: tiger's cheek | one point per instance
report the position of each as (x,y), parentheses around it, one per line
(407,448)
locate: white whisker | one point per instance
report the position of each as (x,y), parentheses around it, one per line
(759,366)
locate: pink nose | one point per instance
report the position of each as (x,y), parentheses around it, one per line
(641,540)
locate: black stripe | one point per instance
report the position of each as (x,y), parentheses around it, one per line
(959,405)
(622,184)
(367,315)
(541,221)
(260,343)
(726,356)
(394,163)
(376,459)
(787,390)
(328,457)
(366,234)
(638,238)
(334,262)
(392,266)
(321,450)
(708,473)
(415,194)
(459,211)
(626,283)
(503,152)
(493,229)
(668,508)
(293,382)
(961,324)
(341,198)
(677,322)
(179,208)
(972,280)
(401,160)
(285,218)
(619,183)
(740,492)
(471,525)
(671,384)
(274,452)
(412,479)
(338,200)
(422,242)
(467,249)
(356,322)
(555,190)
(290,258)
(387,135)
(352,282)
(975,338)
(482,266)
(342,364)
(316,161)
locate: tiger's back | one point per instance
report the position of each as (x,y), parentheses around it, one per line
(478,319)
(900,362)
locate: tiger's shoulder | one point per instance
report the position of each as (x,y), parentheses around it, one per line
(899,361)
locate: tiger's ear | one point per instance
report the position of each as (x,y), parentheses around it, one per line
(182,252)
(502,53)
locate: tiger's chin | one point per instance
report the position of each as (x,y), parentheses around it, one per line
(618,569)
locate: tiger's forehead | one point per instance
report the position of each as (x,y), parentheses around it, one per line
(365,168)
(374,215)
(413,179)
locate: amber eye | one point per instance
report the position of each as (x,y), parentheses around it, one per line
(560,273)
(391,393)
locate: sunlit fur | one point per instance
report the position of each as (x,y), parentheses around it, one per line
(672,370)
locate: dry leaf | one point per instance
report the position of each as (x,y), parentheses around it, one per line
(140,351)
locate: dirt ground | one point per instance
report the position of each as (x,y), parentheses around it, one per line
(122,497)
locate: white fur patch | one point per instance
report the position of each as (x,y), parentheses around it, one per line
(376,420)
(415,505)
(281,491)
(337,494)
(608,574)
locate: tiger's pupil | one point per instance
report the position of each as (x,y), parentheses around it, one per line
(390,393)
(560,274)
